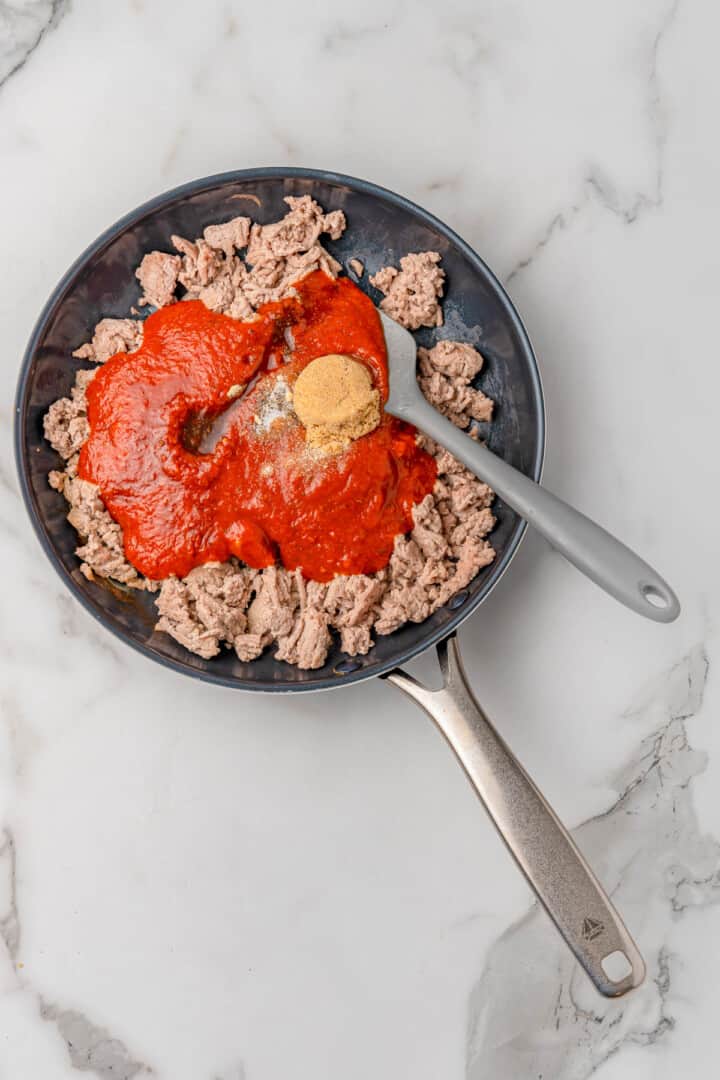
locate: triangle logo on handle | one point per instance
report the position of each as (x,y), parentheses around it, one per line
(592,928)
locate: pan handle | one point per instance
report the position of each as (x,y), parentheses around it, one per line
(543,849)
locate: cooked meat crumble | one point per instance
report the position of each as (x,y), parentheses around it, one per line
(412,293)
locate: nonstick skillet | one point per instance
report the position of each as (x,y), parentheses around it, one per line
(382,227)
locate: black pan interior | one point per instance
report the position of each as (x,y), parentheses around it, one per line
(381,228)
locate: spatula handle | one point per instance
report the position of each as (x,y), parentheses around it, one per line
(597,554)
(543,849)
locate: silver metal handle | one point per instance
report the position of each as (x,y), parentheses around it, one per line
(543,849)
(603,558)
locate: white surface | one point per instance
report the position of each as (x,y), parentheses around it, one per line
(210,886)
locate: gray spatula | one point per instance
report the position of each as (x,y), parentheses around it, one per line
(597,554)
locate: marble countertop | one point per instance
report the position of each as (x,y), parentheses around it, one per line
(197,884)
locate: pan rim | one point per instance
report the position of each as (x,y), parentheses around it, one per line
(135,216)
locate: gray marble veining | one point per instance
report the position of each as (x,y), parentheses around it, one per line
(650,850)
(23,25)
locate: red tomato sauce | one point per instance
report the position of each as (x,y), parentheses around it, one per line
(259,494)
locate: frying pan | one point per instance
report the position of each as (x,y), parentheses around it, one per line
(382,227)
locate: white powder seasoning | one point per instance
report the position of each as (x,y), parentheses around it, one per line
(275,405)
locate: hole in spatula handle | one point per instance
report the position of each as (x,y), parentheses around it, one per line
(655,597)
(616,966)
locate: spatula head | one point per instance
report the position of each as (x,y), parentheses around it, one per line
(402,361)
